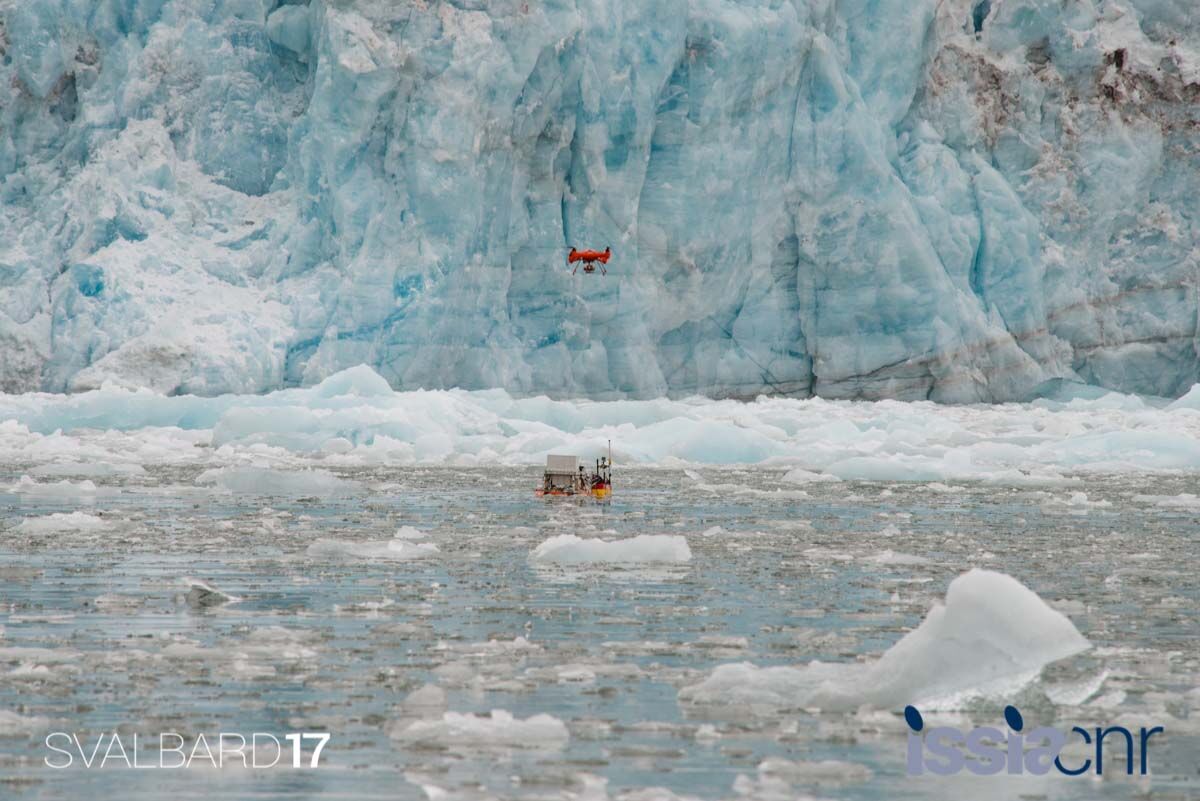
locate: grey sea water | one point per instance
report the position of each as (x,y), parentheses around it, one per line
(100,635)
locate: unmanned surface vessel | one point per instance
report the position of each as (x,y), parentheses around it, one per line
(565,476)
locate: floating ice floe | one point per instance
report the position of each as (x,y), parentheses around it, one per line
(15,725)
(1185,501)
(799,475)
(991,637)
(777,778)
(265,481)
(497,730)
(88,469)
(1077,503)
(721,533)
(890,557)
(828,771)
(114,603)
(80,490)
(274,643)
(409,533)
(258,653)
(429,701)
(754,492)
(569,549)
(60,522)
(398,549)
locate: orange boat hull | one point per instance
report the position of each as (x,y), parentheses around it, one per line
(599,493)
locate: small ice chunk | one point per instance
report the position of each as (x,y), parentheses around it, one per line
(890,557)
(427,702)
(15,725)
(1186,501)
(777,777)
(55,489)
(569,673)
(1069,606)
(1076,692)
(59,522)
(88,469)
(399,550)
(828,771)
(1076,503)
(203,595)
(1031,478)
(456,674)
(801,476)
(496,731)
(570,549)
(722,642)
(117,604)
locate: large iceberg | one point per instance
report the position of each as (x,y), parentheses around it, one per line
(958,200)
(991,638)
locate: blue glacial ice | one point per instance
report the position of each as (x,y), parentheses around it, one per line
(959,200)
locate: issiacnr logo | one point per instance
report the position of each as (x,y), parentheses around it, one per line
(943,750)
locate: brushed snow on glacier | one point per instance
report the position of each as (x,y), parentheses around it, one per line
(958,200)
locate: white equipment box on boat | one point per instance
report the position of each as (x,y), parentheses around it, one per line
(562,465)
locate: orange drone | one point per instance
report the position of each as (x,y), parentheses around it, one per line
(589,258)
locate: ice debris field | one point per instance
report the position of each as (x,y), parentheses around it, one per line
(354,419)
(771,582)
(714,632)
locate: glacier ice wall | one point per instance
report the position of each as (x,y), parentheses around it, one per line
(957,199)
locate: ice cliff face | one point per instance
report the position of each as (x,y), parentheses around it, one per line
(955,199)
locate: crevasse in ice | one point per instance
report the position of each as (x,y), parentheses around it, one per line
(955,200)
